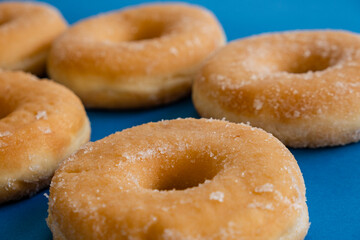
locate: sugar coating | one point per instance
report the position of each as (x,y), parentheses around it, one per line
(307,53)
(35,168)
(135,162)
(41,115)
(5,134)
(265,206)
(267,187)
(42,20)
(174,51)
(10,184)
(46,130)
(258,104)
(280,82)
(3,144)
(87,147)
(217,196)
(28,157)
(167,59)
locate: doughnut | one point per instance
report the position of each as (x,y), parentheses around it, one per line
(136,57)
(26,33)
(180,179)
(41,124)
(301,86)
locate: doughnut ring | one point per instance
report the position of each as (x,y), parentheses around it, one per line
(301,86)
(137,57)
(180,179)
(41,123)
(26,33)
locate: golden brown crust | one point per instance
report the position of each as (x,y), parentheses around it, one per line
(136,57)
(41,123)
(303,87)
(180,179)
(26,33)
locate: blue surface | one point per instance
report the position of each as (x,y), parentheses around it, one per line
(332,175)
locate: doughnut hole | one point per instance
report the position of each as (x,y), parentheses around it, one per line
(187,170)
(121,30)
(5,108)
(3,22)
(4,19)
(317,61)
(184,176)
(309,58)
(147,30)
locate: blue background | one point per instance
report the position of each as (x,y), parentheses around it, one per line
(331,174)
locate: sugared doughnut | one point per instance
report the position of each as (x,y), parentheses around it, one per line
(136,57)
(180,179)
(41,123)
(26,33)
(303,87)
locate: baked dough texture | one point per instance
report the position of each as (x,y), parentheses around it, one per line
(41,123)
(26,33)
(180,179)
(136,57)
(301,86)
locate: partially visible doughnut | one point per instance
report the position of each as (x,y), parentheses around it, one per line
(180,179)
(137,57)
(41,123)
(26,33)
(302,86)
